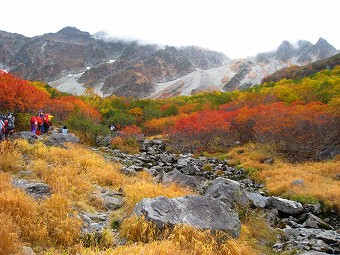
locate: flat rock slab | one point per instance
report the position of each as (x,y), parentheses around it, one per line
(284,205)
(197,211)
(37,190)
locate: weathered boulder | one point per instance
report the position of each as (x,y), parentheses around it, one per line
(257,199)
(284,205)
(228,191)
(197,211)
(94,222)
(27,135)
(58,139)
(313,221)
(176,176)
(37,190)
(190,169)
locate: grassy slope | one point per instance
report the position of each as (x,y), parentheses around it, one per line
(50,227)
(320,183)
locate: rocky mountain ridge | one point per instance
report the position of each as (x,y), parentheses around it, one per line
(72,60)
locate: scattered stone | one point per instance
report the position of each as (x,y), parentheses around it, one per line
(37,190)
(257,199)
(300,182)
(176,176)
(94,224)
(27,251)
(315,222)
(337,176)
(190,169)
(285,206)
(197,211)
(25,173)
(267,161)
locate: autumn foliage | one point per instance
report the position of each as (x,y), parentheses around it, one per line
(21,96)
(17,95)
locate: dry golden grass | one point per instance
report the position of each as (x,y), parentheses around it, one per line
(62,225)
(182,239)
(319,177)
(11,159)
(143,186)
(24,212)
(50,222)
(9,238)
(71,172)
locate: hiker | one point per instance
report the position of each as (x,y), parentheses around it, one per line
(10,126)
(113,129)
(47,123)
(40,125)
(2,128)
(64,130)
(41,115)
(34,124)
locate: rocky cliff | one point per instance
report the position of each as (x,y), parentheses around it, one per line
(72,60)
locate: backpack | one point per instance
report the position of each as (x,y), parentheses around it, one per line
(46,118)
(39,120)
(11,119)
(33,120)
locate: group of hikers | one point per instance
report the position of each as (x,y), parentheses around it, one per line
(41,123)
(6,125)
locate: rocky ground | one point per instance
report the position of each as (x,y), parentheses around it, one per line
(223,192)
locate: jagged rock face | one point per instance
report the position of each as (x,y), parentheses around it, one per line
(124,68)
(9,45)
(204,59)
(72,60)
(285,51)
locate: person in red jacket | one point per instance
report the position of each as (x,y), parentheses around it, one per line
(47,122)
(34,124)
(40,123)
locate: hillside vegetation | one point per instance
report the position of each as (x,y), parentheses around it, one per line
(293,123)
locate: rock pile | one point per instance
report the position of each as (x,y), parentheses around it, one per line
(303,230)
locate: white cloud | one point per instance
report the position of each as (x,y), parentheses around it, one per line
(237,28)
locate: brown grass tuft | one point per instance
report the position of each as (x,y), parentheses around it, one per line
(9,237)
(184,239)
(11,159)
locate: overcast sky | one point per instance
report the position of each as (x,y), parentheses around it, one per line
(238,28)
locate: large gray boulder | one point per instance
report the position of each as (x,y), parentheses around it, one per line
(58,139)
(228,191)
(285,206)
(197,211)
(176,176)
(27,135)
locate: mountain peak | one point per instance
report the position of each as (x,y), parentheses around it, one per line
(69,30)
(285,51)
(322,42)
(70,34)
(285,44)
